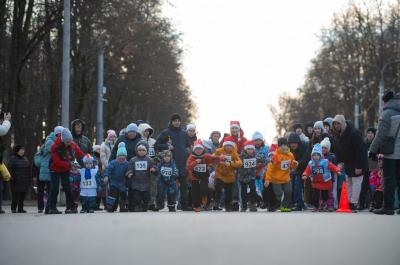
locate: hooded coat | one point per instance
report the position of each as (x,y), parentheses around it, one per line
(150,141)
(80,139)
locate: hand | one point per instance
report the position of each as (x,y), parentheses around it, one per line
(358,172)
(227,163)
(130,175)
(198,161)
(7,116)
(152,170)
(266,184)
(304,177)
(105,180)
(295,163)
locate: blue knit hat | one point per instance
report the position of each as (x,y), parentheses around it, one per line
(257,136)
(328,121)
(317,149)
(132,128)
(319,124)
(122,150)
(87,159)
(58,130)
(66,135)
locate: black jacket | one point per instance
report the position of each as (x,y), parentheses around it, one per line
(20,170)
(301,156)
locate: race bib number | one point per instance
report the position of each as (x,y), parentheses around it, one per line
(318,170)
(229,158)
(201,168)
(152,152)
(166,171)
(141,165)
(285,164)
(250,163)
(87,183)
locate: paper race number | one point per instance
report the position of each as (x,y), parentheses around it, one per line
(141,165)
(201,168)
(166,171)
(285,164)
(250,163)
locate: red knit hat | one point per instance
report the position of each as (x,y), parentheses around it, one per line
(229,141)
(198,144)
(249,145)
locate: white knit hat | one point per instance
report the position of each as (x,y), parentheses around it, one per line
(326,143)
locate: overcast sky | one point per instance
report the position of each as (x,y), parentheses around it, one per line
(240,55)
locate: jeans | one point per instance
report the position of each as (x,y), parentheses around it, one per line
(88,203)
(116,197)
(391,179)
(297,186)
(42,186)
(54,189)
(166,189)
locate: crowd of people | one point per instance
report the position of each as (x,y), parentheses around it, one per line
(134,171)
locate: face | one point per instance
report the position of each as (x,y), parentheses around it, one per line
(89,165)
(78,128)
(310,130)
(146,133)
(235,131)
(21,152)
(299,131)
(131,135)
(198,151)
(176,123)
(228,148)
(370,136)
(142,152)
(215,138)
(325,150)
(284,148)
(191,133)
(327,128)
(258,143)
(112,138)
(337,126)
(315,157)
(317,131)
(294,146)
(167,159)
(250,151)
(121,158)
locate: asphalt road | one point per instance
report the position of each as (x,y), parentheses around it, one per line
(202,238)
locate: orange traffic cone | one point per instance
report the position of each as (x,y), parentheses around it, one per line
(344,200)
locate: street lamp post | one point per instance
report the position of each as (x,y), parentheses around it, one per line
(65,65)
(382,83)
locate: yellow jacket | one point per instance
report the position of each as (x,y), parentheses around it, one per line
(278,171)
(227,173)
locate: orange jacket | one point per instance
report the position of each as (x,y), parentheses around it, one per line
(227,173)
(278,171)
(191,163)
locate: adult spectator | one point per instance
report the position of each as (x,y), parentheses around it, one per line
(78,129)
(131,138)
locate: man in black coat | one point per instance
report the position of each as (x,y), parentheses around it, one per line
(350,151)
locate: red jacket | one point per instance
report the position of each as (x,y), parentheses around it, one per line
(192,163)
(61,156)
(239,141)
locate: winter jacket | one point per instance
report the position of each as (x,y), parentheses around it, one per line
(248,170)
(350,150)
(116,172)
(321,173)
(279,168)
(388,123)
(82,141)
(130,145)
(140,167)
(263,152)
(197,171)
(239,141)
(44,174)
(181,144)
(105,152)
(20,170)
(62,156)
(167,172)
(301,156)
(227,173)
(150,141)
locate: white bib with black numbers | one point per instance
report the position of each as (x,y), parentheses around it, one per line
(141,165)
(250,163)
(166,171)
(229,158)
(152,152)
(201,168)
(285,164)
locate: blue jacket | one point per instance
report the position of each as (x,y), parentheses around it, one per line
(44,174)
(116,172)
(181,144)
(167,175)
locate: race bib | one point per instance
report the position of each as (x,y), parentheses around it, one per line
(140,165)
(229,158)
(201,168)
(285,164)
(318,170)
(152,152)
(166,171)
(250,163)
(87,183)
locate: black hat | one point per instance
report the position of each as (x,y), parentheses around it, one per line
(176,116)
(17,148)
(371,129)
(388,96)
(282,141)
(293,139)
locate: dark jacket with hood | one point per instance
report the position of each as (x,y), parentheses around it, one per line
(81,140)
(350,149)
(300,153)
(130,145)
(181,144)
(20,170)
(140,167)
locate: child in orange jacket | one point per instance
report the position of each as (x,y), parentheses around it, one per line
(198,165)
(278,175)
(225,173)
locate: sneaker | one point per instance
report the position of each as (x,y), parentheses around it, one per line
(383,211)
(53,211)
(171,209)
(82,211)
(71,211)
(285,210)
(197,209)
(216,208)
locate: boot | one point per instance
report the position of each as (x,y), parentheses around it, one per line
(235,207)
(53,211)
(253,208)
(384,211)
(171,208)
